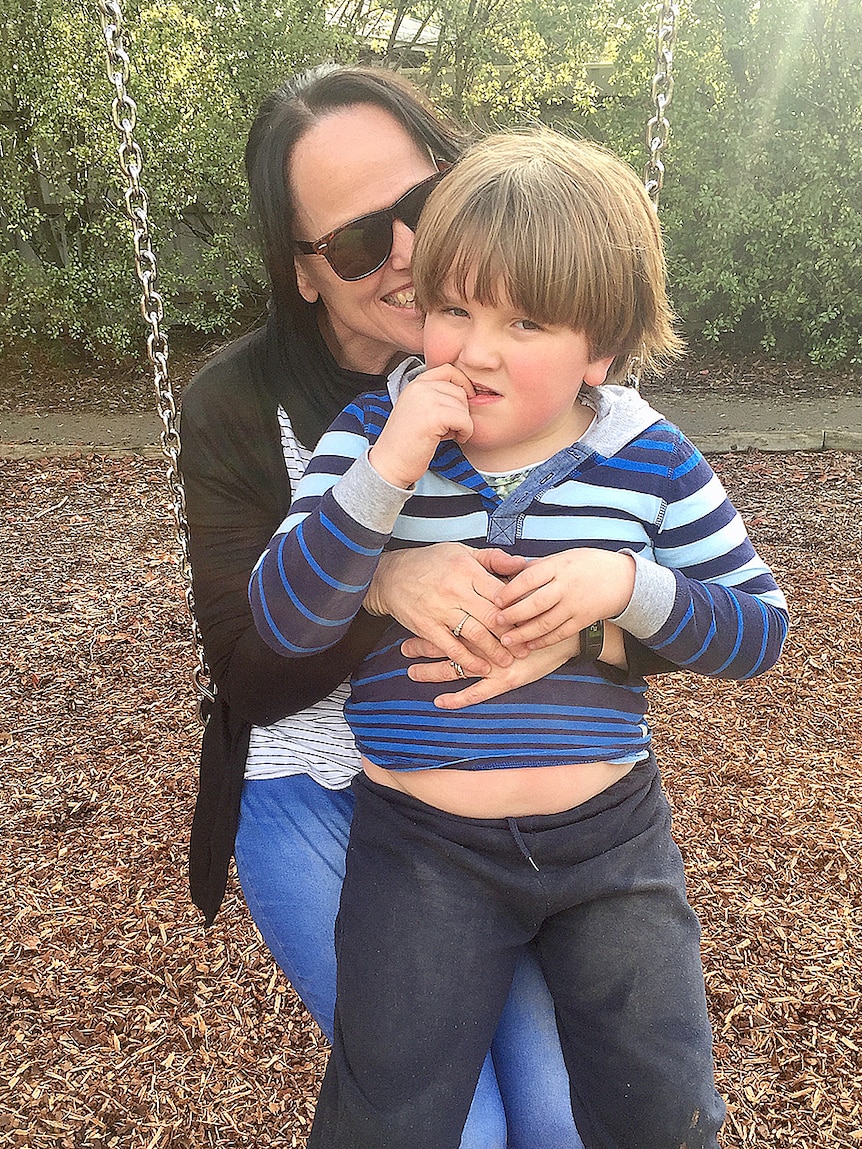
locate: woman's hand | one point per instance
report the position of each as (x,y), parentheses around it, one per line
(532,666)
(437,589)
(535,665)
(555,597)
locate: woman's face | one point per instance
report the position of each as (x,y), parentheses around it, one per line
(359,160)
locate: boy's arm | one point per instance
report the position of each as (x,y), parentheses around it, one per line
(708,603)
(311,580)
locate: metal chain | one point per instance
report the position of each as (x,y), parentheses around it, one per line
(124,116)
(658,129)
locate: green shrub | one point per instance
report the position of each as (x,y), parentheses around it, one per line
(197,76)
(761,205)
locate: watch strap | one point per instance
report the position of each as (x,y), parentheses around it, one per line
(592,641)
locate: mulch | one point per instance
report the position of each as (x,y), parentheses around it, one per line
(129,1025)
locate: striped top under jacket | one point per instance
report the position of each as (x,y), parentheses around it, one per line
(703,597)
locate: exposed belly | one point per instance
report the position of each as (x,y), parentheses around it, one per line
(507,793)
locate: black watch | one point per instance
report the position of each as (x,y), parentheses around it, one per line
(592,641)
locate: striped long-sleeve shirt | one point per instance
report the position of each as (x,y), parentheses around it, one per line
(703,597)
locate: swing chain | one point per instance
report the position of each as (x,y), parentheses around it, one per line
(658,130)
(124,117)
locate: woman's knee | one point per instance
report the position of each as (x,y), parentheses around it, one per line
(290,852)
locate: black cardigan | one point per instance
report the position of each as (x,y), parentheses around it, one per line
(237,493)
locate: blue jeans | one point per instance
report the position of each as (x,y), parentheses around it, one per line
(290,852)
(434,911)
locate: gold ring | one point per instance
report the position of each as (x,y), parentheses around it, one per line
(458,668)
(457,630)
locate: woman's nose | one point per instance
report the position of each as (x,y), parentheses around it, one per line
(402,245)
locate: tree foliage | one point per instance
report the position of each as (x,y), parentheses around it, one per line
(765,214)
(761,203)
(198,72)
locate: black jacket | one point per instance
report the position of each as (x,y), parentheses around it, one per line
(237,493)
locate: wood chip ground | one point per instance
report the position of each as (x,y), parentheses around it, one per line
(126,1024)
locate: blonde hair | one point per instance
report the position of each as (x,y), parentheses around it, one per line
(565,229)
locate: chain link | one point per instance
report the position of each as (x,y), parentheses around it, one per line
(124,115)
(658,129)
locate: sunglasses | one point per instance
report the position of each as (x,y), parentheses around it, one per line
(361,247)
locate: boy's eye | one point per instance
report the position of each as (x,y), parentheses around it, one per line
(528,325)
(453,309)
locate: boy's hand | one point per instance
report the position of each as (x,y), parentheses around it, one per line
(557,596)
(431,408)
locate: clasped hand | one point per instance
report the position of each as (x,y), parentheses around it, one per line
(523,620)
(555,597)
(430,589)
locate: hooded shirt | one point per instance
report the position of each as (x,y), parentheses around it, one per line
(703,598)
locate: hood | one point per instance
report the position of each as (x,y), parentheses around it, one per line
(621,415)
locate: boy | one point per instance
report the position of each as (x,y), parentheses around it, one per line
(540,814)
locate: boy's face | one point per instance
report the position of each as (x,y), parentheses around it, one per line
(526,375)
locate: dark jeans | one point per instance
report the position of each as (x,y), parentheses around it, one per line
(434,911)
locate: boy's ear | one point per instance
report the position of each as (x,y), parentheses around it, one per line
(306,288)
(597,371)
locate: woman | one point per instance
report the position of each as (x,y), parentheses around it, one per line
(334,146)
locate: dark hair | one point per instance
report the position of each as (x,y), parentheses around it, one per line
(284,118)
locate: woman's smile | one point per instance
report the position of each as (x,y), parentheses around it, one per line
(404,299)
(358,160)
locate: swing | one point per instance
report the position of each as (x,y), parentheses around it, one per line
(124,118)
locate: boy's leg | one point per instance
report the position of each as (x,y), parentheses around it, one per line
(424,968)
(623,965)
(290,852)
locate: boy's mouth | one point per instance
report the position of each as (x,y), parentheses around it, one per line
(484,390)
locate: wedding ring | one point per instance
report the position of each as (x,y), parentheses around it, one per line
(457,630)
(457,667)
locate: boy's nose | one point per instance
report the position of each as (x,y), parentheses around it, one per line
(478,351)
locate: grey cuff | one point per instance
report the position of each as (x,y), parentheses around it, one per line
(652,599)
(368,498)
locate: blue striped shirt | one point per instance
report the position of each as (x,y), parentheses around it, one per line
(703,597)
